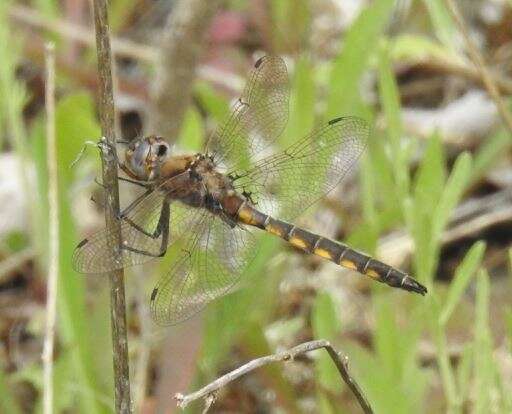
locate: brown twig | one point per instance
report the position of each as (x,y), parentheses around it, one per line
(109,166)
(181,47)
(208,392)
(53,225)
(481,66)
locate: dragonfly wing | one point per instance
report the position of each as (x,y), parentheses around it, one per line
(94,254)
(208,263)
(259,116)
(288,183)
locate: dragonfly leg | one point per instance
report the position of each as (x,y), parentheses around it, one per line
(161,229)
(135,182)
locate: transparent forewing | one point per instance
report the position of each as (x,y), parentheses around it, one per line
(140,240)
(258,118)
(206,265)
(287,183)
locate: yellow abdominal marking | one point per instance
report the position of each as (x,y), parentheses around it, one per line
(372,273)
(274,230)
(295,241)
(323,253)
(246,216)
(348,264)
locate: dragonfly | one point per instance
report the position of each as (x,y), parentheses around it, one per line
(203,209)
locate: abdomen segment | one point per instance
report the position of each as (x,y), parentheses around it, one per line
(336,252)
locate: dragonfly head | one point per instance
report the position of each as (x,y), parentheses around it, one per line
(144,157)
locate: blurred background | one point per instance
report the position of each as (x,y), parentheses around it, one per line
(432,196)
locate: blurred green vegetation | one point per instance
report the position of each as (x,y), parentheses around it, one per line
(391,198)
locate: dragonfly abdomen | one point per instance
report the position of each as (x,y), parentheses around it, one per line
(336,252)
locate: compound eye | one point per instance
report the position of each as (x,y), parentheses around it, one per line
(162,150)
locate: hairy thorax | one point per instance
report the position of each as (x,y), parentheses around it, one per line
(197,183)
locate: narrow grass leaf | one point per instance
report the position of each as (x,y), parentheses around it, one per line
(359,44)
(441,21)
(390,100)
(489,152)
(412,48)
(484,363)
(443,357)
(463,275)
(455,187)
(302,100)
(464,369)
(325,326)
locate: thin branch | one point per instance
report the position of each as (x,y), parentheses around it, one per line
(109,165)
(478,59)
(53,220)
(208,392)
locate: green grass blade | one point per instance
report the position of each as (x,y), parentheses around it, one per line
(326,325)
(359,44)
(442,22)
(390,100)
(455,187)
(484,363)
(463,275)
(443,357)
(488,153)
(302,101)
(464,369)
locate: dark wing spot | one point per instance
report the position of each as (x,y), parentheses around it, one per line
(82,243)
(333,121)
(258,62)
(154,293)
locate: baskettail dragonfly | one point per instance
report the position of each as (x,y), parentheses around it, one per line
(201,208)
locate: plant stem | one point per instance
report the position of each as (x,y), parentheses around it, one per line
(53,203)
(109,167)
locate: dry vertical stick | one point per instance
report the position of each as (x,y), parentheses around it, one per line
(53,220)
(109,165)
(478,60)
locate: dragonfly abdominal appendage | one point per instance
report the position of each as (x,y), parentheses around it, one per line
(202,207)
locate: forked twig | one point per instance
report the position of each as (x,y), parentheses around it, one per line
(209,391)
